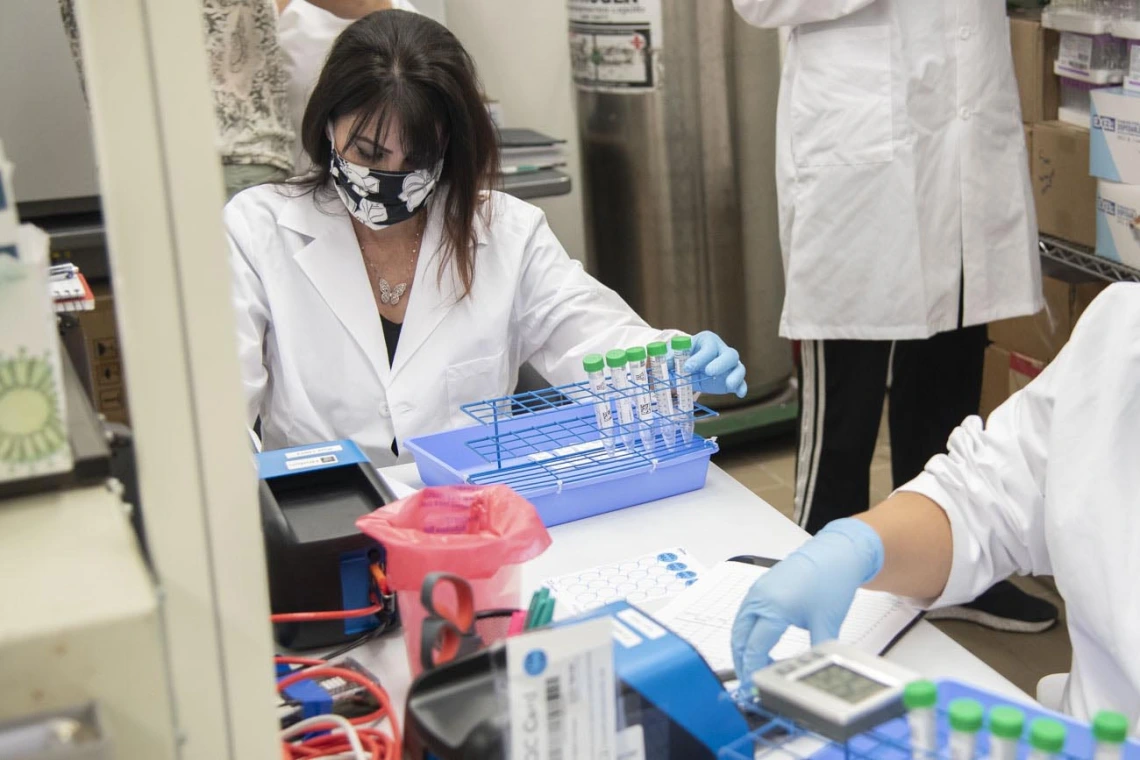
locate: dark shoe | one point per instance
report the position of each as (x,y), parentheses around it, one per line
(1004,607)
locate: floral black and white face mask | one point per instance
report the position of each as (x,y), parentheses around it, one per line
(380,199)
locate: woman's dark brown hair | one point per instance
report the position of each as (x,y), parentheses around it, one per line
(401,64)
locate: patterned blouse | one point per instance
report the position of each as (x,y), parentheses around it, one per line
(251,106)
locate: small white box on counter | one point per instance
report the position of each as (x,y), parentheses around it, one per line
(1118,222)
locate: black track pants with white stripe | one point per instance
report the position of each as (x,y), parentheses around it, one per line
(935,384)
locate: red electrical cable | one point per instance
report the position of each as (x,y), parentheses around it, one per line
(312,617)
(305,661)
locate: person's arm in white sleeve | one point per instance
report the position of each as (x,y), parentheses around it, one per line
(774,13)
(563,313)
(251,314)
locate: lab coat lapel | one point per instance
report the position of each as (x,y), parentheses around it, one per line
(334,266)
(432,296)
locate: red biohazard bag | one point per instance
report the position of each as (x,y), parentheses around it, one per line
(480,533)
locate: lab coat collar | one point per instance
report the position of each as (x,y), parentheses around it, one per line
(436,289)
(333,263)
(334,266)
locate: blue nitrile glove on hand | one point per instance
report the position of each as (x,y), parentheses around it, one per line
(812,589)
(716,367)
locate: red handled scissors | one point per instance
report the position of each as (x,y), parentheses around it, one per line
(448,632)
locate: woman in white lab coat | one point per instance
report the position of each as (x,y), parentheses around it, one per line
(1049,486)
(378,295)
(906,224)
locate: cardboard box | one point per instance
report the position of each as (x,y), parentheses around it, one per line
(1043,335)
(1115,144)
(1063,191)
(1034,50)
(1118,222)
(101,338)
(1004,374)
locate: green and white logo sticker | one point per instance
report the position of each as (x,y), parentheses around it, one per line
(30,427)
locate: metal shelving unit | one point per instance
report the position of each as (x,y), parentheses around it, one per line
(1080,263)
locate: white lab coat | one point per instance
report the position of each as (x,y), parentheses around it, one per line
(306,34)
(313,357)
(1051,485)
(901,166)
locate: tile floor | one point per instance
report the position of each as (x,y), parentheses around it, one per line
(768,469)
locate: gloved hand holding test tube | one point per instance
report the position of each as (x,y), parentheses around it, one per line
(617,363)
(596,375)
(659,368)
(636,358)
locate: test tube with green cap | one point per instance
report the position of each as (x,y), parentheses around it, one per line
(920,699)
(1006,727)
(1110,729)
(1046,739)
(682,348)
(965,723)
(595,367)
(637,373)
(618,377)
(658,353)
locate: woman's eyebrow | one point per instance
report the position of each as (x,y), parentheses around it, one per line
(366,142)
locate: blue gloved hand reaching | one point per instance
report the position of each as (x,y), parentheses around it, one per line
(812,589)
(716,366)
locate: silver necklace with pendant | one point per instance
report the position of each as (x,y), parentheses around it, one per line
(390,294)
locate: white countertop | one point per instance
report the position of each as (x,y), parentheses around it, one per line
(722,520)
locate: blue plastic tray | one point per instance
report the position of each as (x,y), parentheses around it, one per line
(550,451)
(891,740)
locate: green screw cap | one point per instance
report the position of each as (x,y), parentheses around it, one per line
(1007,722)
(615,358)
(1110,727)
(593,363)
(920,694)
(966,715)
(1047,735)
(682,342)
(657,348)
(635,354)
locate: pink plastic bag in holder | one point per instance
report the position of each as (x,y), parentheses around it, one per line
(480,533)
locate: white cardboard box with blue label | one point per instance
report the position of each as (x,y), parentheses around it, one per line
(1117,233)
(33,428)
(1114,138)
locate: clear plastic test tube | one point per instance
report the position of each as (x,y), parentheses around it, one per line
(637,373)
(1110,729)
(682,348)
(1046,739)
(1006,726)
(658,354)
(617,363)
(596,375)
(920,699)
(965,723)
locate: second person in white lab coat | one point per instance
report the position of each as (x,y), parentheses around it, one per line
(907,224)
(381,293)
(1048,486)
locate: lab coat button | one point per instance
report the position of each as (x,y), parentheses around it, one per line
(964,113)
(964,32)
(383,409)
